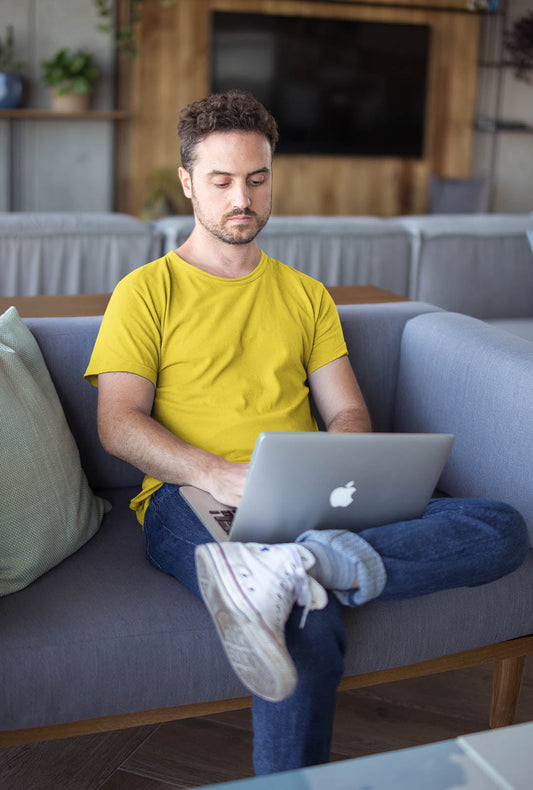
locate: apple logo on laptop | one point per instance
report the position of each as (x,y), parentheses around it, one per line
(343,495)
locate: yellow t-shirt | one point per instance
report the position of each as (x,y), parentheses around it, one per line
(229,358)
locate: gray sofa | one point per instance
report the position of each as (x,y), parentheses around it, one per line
(103,640)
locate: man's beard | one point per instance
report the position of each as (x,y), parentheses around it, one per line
(232,235)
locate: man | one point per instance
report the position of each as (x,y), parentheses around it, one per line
(198,353)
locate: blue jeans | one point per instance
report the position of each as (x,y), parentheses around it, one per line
(458,542)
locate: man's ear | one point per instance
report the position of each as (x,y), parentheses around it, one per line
(185,178)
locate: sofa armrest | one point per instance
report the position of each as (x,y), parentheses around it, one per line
(461,376)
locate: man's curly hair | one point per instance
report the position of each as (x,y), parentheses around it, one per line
(236,111)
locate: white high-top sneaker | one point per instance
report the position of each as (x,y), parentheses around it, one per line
(249,590)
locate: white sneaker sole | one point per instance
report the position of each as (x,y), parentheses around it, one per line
(259,660)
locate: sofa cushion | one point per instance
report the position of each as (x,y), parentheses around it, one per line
(48,510)
(106,633)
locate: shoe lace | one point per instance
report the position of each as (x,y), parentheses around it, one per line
(302,586)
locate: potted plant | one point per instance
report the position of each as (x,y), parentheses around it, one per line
(518,43)
(164,195)
(10,73)
(70,76)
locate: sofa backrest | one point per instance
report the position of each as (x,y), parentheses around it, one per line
(373,334)
(459,375)
(70,253)
(342,250)
(66,344)
(481,265)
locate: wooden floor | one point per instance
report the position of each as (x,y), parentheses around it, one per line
(218,748)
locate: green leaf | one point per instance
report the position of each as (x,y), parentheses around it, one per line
(65,65)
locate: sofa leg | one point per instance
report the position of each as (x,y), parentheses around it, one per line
(506,682)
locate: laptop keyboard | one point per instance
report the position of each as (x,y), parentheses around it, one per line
(224,517)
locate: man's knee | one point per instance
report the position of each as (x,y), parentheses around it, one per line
(508,531)
(514,534)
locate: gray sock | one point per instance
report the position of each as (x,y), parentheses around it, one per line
(342,556)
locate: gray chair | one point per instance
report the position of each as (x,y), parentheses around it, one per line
(458,195)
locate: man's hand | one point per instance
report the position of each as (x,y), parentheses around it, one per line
(226,482)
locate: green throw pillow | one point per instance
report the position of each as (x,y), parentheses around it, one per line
(47,510)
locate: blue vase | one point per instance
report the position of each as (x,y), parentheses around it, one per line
(10,91)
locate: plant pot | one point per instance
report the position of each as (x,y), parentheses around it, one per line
(68,102)
(10,91)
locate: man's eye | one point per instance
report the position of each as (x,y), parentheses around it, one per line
(257,182)
(221,185)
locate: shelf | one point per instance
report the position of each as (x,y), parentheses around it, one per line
(494,64)
(49,115)
(502,129)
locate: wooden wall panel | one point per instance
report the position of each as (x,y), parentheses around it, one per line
(173,69)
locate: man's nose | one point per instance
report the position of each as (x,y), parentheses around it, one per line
(241,196)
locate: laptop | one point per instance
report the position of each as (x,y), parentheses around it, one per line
(299,481)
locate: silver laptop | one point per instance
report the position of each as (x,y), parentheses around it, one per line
(299,481)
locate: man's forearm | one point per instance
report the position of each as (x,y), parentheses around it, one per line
(351,421)
(143,442)
(146,444)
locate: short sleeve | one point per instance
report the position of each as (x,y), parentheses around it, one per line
(329,343)
(129,339)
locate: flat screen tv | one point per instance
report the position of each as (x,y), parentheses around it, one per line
(334,86)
